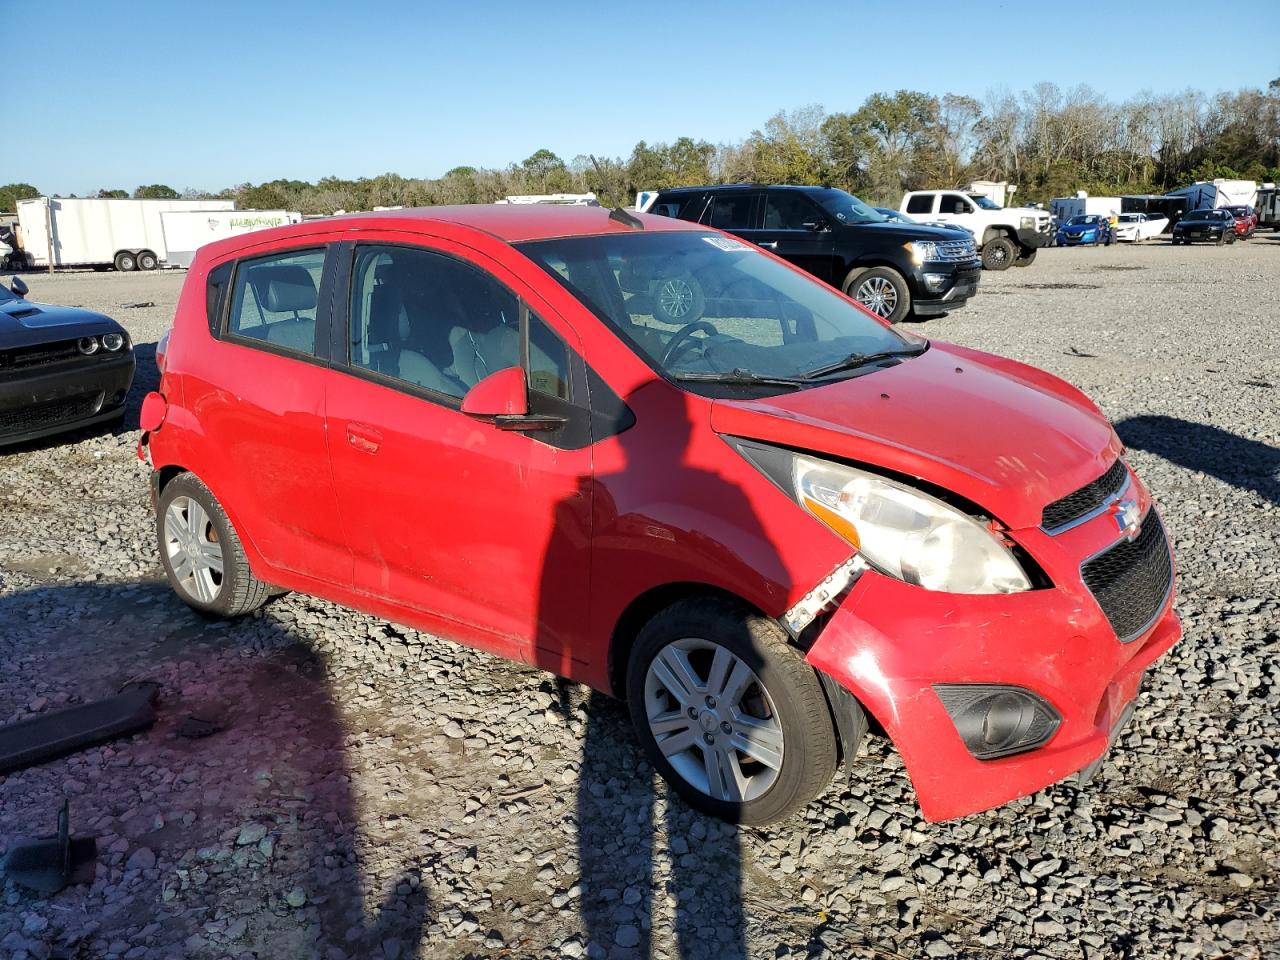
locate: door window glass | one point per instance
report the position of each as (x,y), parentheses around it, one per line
(548,360)
(430,320)
(921,203)
(951,203)
(732,211)
(274,300)
(787,210)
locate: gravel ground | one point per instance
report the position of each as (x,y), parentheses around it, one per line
(376,792)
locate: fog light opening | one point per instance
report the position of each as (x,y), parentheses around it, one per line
(935,281)
(997,721)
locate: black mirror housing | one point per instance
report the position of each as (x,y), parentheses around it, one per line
(19,287)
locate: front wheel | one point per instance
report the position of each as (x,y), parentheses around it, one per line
(881,290)
(729,713)
(201,553)
(1026,257)
(998,253)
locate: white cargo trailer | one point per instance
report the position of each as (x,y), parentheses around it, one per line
(185,231)
(1064,208)
(125,234)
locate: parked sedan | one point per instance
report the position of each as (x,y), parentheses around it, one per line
(1246,220)
(1087,228)
(1136,227)
(1205,226)
(762,528)
(61,368)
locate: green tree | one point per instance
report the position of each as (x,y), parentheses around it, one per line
(113,194)
(11,193)
(155,191)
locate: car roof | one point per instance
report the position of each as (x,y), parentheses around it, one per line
(509,223)
(733,187)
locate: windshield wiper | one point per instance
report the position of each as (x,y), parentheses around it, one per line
(739,375)
(854,360)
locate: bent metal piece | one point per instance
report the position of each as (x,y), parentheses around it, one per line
(50,863)
(61,732)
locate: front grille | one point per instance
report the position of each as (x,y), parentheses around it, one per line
(1131,580)
(19,358)
(955,250)
(1085,500)
(37,415)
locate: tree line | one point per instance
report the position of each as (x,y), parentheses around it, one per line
(1049,141)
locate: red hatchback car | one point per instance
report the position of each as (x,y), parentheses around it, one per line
(766,528)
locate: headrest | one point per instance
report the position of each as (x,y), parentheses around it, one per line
(284,288)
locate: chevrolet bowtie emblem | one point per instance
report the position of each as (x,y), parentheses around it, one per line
(1128,517)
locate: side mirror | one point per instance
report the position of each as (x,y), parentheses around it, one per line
(815,225)
(19,287)
(501,394)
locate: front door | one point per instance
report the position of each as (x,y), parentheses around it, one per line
(796,229)
(481,529)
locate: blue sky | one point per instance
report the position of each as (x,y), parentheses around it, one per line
(210,95)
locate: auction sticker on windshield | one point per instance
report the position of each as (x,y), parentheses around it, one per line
(727,244)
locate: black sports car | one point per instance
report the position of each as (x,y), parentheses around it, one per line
(61,368)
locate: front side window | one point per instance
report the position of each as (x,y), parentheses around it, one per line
(274,300)
(955,204)
(430,320)
(788,210)
(920,203)
(747,318)
(847,208)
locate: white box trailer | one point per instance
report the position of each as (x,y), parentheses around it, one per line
(89,232)
(185,231)
(1206,195)
(1064,208)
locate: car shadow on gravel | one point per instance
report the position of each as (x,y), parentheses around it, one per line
(1243,463)
(247,840)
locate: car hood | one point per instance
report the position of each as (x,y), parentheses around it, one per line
(23,323)
(999,433)
(1079,227)
(908,231)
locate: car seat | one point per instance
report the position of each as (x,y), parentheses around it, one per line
(287,288)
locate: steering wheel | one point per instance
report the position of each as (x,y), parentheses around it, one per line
(682,335)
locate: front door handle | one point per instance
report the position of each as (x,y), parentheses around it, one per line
(363,437)
(768,244)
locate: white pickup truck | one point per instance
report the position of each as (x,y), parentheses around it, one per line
(1005,236)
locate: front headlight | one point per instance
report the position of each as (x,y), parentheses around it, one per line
(898,530)
(922,250)
(113,341)
(1027,223)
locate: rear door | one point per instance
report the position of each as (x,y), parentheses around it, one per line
(737,211)
(483,529)
(796,229)
(921,206)
(258,393)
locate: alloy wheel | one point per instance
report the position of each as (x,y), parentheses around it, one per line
(878,295)
(713,720)
(675,298)
(194,552)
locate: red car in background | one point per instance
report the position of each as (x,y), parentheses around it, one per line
(763,525)
(1246,219)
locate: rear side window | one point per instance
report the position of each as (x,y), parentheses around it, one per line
(732,211)
(274,300)
(215,294)
(921,203)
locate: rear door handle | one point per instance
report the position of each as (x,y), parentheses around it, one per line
(363,437)
(768,244)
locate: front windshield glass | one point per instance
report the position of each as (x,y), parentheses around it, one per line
(847,208)
(1129,218)
(986,203)
(710,307)
(1202,215)
(1081,220)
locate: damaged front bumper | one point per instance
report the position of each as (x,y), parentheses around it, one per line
(893,646)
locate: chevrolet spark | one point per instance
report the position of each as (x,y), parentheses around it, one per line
(769,529)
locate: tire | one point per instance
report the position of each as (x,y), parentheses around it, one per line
(147,260)
(679,299)
(998,253)
(125,261)
(882,290)
(1222,238)
(778,694)
(231,592)
(1026,257)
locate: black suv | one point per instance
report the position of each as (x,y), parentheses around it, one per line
(891,268)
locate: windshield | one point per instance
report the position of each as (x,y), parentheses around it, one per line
(6,294)
(1081,220)
(986,203)
(847,208)
(1129,218)
(1202,215)
(707,307)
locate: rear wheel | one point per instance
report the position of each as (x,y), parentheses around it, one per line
(147,260)
(201,553)
(998,253)
(882,290)
(126,261)
(729,713)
